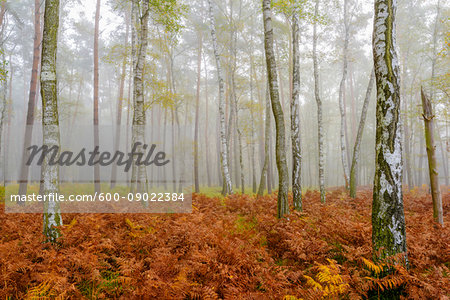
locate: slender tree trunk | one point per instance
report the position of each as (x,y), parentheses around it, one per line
(253,138)
(428,117)
(241,160)
(406,136)
(197,112)
(96,131)
(341,100)
(3,112)
(357,147)
(444,157)
(295,117)
(2,14)
(388,220)
(265,169)
(120,103)
(208,170)
(32,98)
(421,156)
(139,174)
(50,122)
(283,177)
(127,135)
(319,108)
(224,147)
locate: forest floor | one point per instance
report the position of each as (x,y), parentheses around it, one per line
(232,248)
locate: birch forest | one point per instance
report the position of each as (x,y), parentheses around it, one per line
(235,149)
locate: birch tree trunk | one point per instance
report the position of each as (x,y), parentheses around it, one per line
(120,103)
(139,174)
(388,220)
(357,147)
(197,112)
(31,99)
(283,177)
(428,117)
(50,122)
(228,189)
(341,100)
(265,169)
(96,132)
(319,107)
(295,116)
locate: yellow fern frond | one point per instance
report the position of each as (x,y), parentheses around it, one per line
(313,283)
(376,268)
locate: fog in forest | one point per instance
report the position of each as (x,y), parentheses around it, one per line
(180,76)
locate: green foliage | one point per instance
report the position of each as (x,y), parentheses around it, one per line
(169,13)
(3,67)
(305,9)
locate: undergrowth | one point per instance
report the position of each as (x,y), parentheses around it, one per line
(228,248)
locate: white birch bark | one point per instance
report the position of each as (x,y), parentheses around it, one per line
(341,99)
(388,220)
(295,115)
(139,172)
(280,149)
(319,108)
(228,189)
(50,122)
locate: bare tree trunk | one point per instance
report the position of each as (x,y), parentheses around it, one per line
(283,177)
(241,160)
(357,147)
(197,112)
(265,169)
(343,135)
(253,138)
(120,103)
(224,147)
(319,108)
(96,132)
(208,171)
(127,135)
(50,123)
(295,116)
(428,116)
(31,99)
(3,110)
(139,174)
(388,219)
(444,157)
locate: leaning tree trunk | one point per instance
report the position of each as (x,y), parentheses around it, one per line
(388,220)
(31,98)
(362,122)
(265,169)
(96,131)
(283,177)
(50,122)
(295,117)
(319,108)
(341,100)
(432,161)
(228,189)
(139,174)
